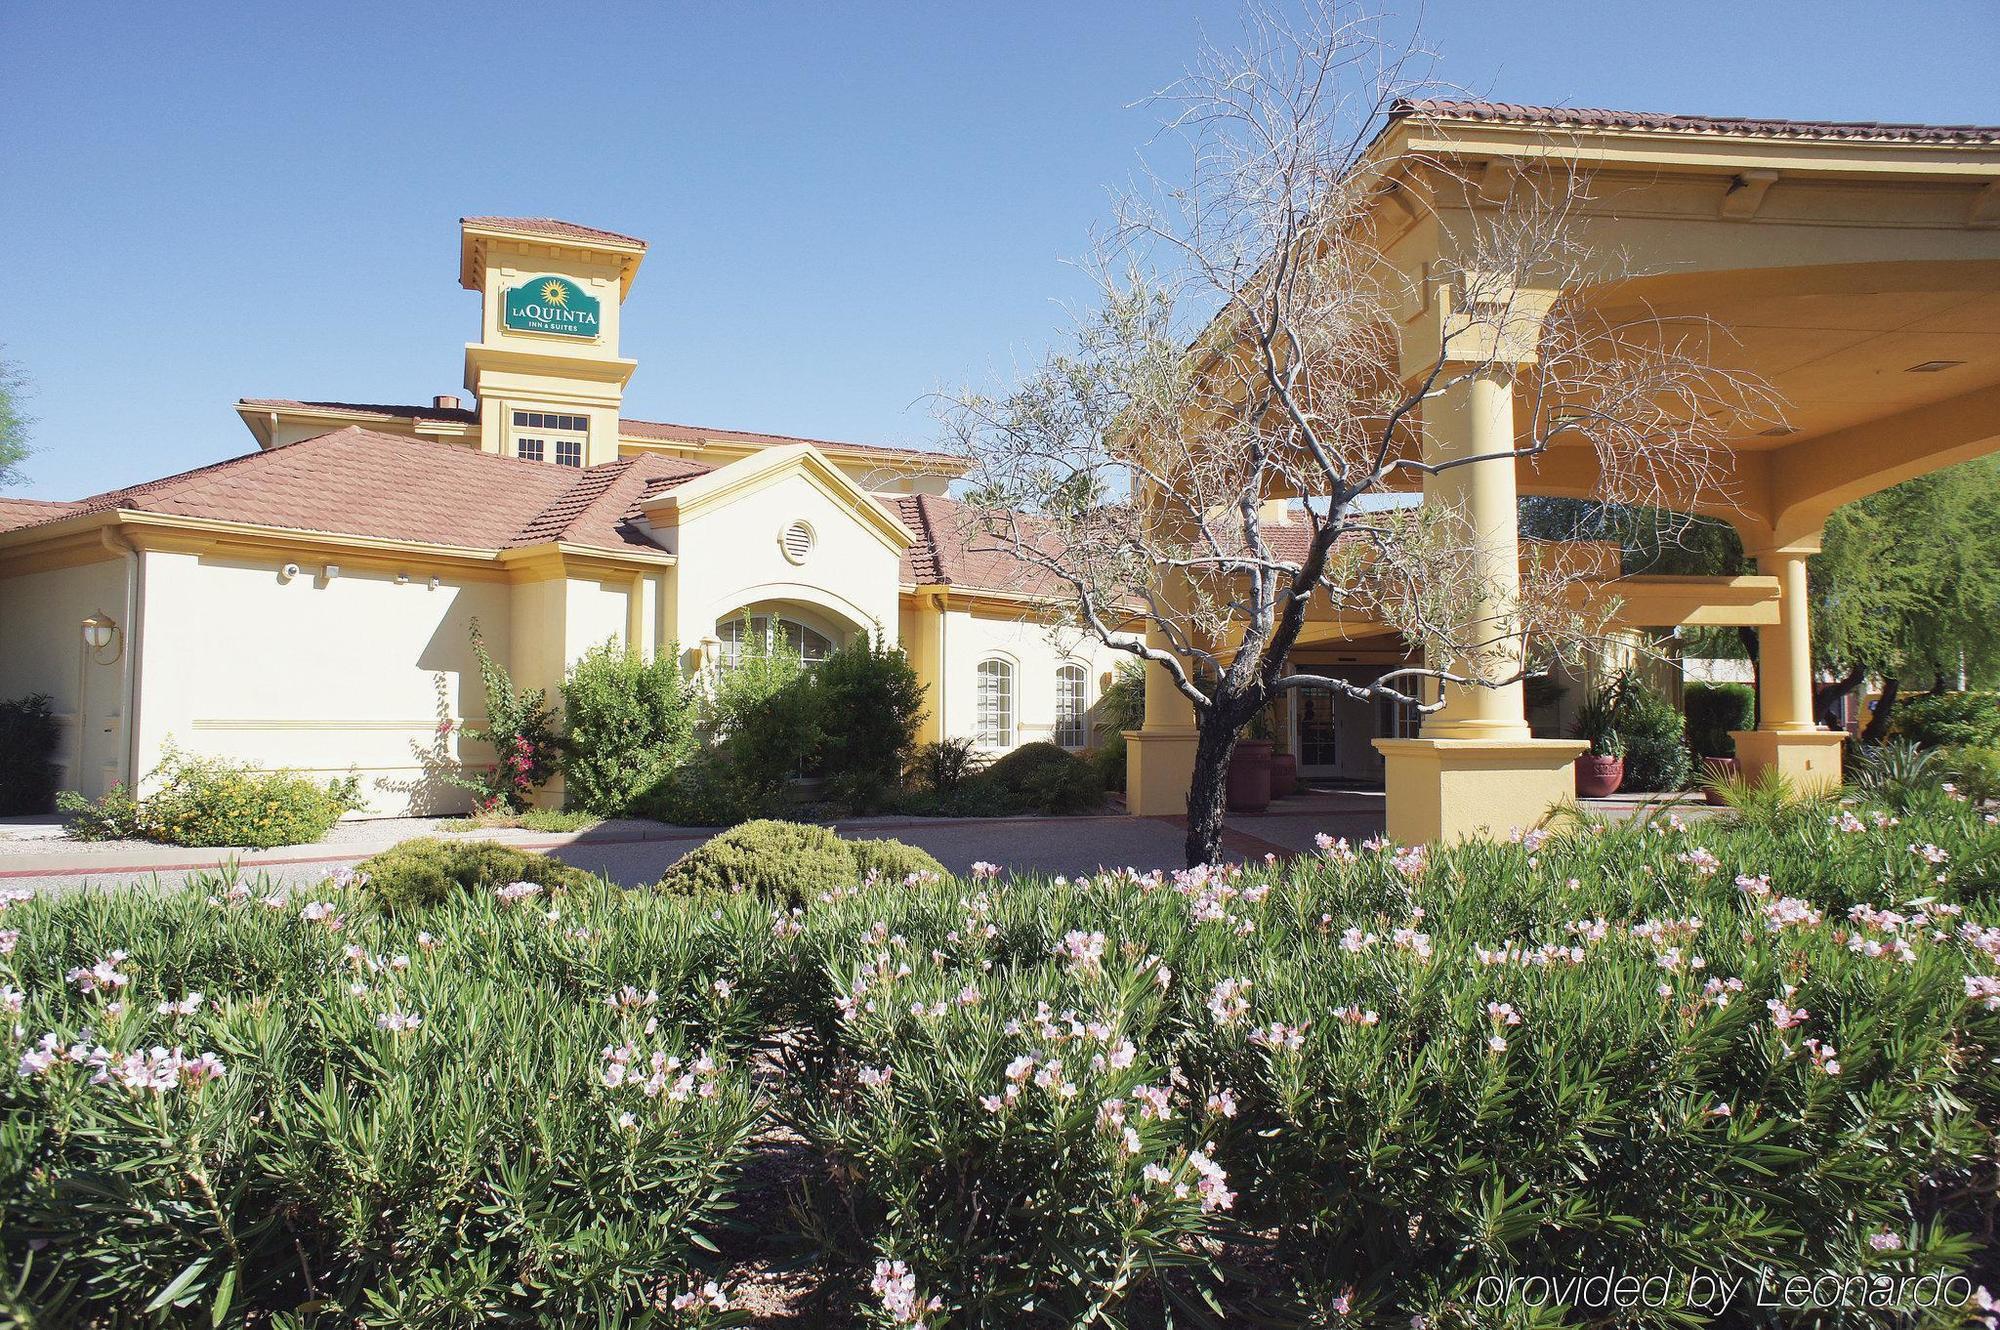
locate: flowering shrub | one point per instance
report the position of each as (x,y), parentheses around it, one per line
(1358,1089)
(213,801)
(521,727)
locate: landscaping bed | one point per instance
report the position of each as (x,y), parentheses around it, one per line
(1355,1089)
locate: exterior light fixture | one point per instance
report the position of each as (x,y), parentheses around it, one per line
(100,633)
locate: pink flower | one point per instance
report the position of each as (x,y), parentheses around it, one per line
(1786,1018)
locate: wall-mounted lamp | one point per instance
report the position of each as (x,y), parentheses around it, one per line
(100,631)
(436,581)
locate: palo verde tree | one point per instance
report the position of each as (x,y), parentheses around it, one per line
(1244,348)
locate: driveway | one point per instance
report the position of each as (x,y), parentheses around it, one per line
(34,854)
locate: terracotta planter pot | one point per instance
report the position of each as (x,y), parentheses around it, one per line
(1597,777)
(1250,777)
(1284,775)
(1716,770)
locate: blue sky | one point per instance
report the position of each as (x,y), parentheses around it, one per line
(849,205)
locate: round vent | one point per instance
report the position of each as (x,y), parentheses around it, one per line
(797,540)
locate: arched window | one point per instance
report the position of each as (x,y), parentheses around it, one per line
(996,705)
(777,635)
(1072,707)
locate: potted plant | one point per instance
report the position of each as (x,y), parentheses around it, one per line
(1717,774)
(1284,766)
(1249,789)
(1600,771)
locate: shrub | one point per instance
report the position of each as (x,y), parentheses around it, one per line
(1976,772)
(1713,710)
(28,738)
(1655,735)
(763,720)
(869,703)
(209,801)
(1043,778)
(428,871)
(1109,762)
(440,1146)
(892,860)
(114,815)
(941,768)
(628,723)
(790,862)
(1944,720)
(1123,705)
(1377,1080)
(704,791)
(520,728)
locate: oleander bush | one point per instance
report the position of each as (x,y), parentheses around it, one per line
(1364,1088)
(421,872)
(28,738)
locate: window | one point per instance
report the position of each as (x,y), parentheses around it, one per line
(786,636)
(544,436)
(995,728)
(1072,730)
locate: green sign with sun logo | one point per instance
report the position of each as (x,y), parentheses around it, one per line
(550,305)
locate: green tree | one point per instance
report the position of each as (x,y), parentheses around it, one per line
(14,422)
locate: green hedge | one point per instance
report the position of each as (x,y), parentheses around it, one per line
(1713,710)
(1363,1088)
(28,738)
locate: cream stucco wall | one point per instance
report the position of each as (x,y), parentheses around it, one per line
(314,673)
(730,558)
(969,637)
(42,651)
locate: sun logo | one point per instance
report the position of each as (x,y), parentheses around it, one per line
(555,293)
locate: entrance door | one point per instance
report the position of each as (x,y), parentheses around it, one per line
(1318,737)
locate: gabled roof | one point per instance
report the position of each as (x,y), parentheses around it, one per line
(553,227)
(1578,117)
(356,482)
(457,415)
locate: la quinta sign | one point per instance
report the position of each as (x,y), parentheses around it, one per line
(550,305)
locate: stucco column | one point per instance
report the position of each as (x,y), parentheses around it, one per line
(1475,418)
(1159,756)
(1788,740)
(1475,770)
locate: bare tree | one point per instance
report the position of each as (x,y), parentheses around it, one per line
(1247,348)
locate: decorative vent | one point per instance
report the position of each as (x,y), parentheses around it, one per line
(797,541)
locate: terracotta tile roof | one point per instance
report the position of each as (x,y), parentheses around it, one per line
(459,415)
(601,509)
(551,226)
(954,548)
(355,482)
(638,429)
(29,512)
(655,429)
(1578,117)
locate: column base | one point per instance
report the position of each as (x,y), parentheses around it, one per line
(1457,789)
(1809,759)
(1159,768)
